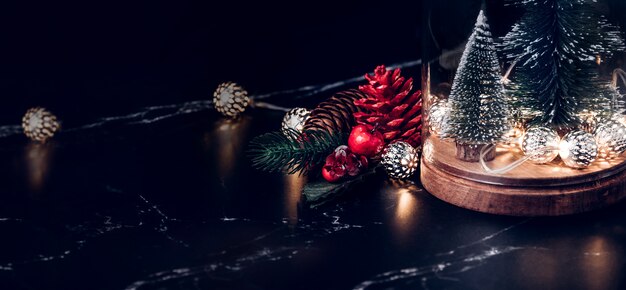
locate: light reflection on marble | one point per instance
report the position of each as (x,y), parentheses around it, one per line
(544,277)
(228,136)
(600,266)
(406,215)
(293,184)
(38,157)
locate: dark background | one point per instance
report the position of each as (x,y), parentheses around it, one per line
(88,59)
(123,208)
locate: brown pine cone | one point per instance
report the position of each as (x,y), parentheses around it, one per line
(335,115)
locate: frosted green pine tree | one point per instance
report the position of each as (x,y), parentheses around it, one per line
(555,46)
(478,110)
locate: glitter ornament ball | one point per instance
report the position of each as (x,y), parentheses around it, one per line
(39,124)
(437,115)
(578,149)
(294,120)
(540,144)
(611,139)
(230,99)
(400,160)
(588,123)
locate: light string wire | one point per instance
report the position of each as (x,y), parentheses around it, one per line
(485,149)
(502,170)
(151,114)
(618,73)
(507,168)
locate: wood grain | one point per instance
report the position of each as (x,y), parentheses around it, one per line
(529,190)
(442,156)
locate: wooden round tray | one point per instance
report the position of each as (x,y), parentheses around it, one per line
(528,190)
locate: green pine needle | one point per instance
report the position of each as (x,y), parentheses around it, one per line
(320,192)
(556,75)
(293,152)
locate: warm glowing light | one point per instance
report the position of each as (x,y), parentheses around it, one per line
(564,149)
(38,158)
(293,184)
(405,207)
(228,135)
(599,263)
(557,169)
(513,138)
(428,151)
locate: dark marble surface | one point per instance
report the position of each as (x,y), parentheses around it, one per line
(174,204)
(165,198)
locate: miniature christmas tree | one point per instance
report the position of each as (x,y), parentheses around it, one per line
(555,46)
(478,111)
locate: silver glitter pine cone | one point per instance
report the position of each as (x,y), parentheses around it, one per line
(400,160)
(611,139)
(39,124)
(230,99)
(578,149)
(540,144)
(294,120)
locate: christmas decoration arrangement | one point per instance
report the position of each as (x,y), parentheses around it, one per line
(552,101)
(534,97)
(533,123)
(348,136)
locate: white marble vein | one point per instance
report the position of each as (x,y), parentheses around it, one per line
(486,238)
(451,262)
(311,90)
(437,270)
(10,130)
(97,227)
(152,114)
(236,265)
(84,232)
(231,260)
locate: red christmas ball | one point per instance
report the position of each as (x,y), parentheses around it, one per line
(365,140)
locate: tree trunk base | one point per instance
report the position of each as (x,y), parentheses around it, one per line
(471,152)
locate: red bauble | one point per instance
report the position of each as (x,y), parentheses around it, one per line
(365,140)
(343,163)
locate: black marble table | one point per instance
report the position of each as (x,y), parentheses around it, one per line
(175,204)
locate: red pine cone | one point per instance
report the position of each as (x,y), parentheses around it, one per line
(343,163)
(390,107)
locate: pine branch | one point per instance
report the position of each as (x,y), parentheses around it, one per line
(556,77)
(320,192)
(293,152)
